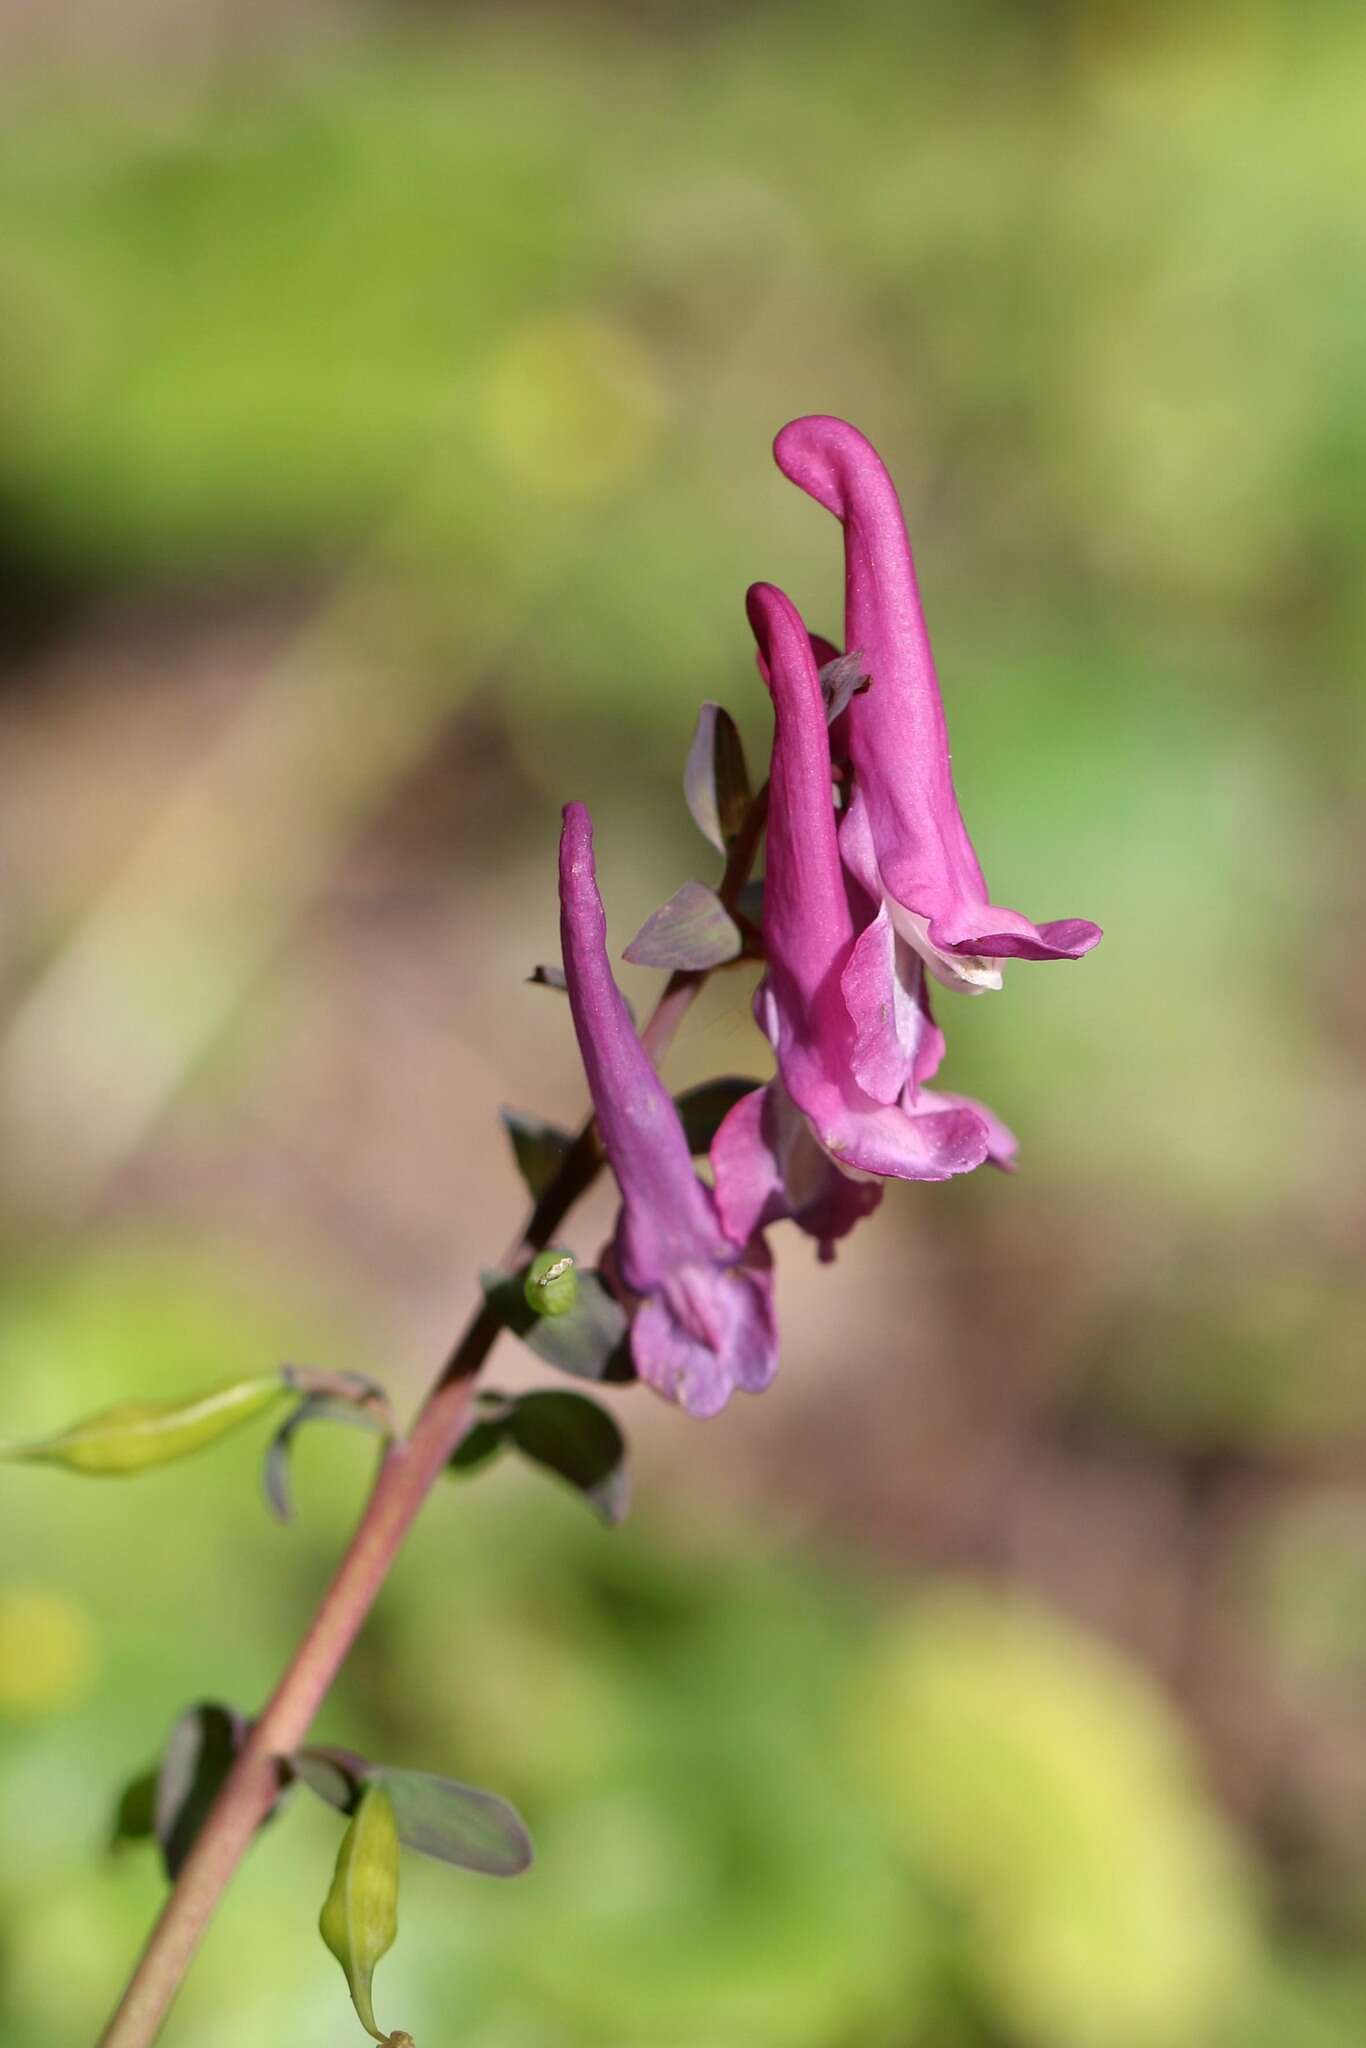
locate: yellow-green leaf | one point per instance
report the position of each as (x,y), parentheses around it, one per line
(136,1434)
(359,1919)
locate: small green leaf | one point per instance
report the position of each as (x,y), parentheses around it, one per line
(716,780)
(202,1749)
(705,1108)
(568,1434)
(436,1816)
(590,1342)
(551,1286)
(137,1434)
(359,1919)
(135,1818)
(580,1442)
(693,931)
(484,1438)
(540,1149)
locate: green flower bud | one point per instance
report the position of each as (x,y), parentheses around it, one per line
(552,1283)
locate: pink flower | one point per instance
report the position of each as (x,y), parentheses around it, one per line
(702,1304)
(903,838)
(845,1010)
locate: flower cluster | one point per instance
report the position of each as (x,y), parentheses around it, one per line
(871,889)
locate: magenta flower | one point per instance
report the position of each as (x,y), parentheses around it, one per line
(702,1304)
(843,1009)
(903,838)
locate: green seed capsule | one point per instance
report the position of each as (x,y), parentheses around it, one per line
(552,1283)
(136,1434)
(359,1919)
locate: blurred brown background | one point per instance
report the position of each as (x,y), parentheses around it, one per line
(385,400)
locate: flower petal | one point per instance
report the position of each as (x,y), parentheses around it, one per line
(896,733)
(768,1166)
(1002,1143)
(668,1216)
(896,1041)
(708,1331)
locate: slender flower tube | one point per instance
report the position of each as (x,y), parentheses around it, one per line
(702,1322)
(814,1144)
(903,837)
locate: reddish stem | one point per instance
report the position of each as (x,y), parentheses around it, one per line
(406,1476)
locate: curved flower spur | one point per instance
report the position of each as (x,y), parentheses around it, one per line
(703,1322)
(903,837)
(816,1141)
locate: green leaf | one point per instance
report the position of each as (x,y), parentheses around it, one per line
(202,1749)
(135,1817)
(137,1434)
(716,780)
(359,1919)
(540,1149)
(580,1442)
(705,1108)
(568,1434)
(693,931)
(484,1438)
(590,1342)
(436,1816)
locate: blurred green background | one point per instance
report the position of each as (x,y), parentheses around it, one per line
(385,400)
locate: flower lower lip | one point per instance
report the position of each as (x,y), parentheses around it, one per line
(970,973)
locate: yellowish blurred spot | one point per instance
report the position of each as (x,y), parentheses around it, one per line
(574,405)
(1046,1787)
(47,1652)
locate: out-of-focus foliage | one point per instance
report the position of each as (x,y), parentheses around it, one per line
(384,407)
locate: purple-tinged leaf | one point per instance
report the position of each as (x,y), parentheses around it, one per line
(842,680)
(590,1341)
(705,1108)
(716,780)
(359,1413)
(355,1388)
(436,1816)
(540,1149)
(693,930)
(202,1749)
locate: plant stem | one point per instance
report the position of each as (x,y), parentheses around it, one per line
(407,1474)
